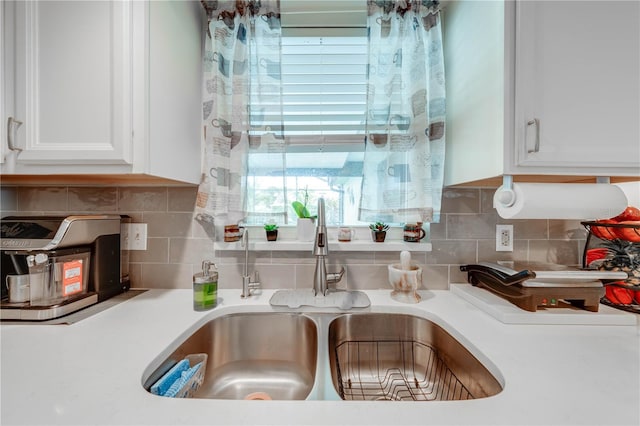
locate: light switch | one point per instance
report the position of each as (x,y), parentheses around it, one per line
(133,236)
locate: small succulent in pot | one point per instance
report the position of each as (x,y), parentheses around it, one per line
(271,229)
(379,226)
(378,231)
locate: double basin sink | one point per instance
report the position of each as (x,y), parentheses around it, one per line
(321,356)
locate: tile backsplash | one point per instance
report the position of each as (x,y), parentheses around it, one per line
(177,244)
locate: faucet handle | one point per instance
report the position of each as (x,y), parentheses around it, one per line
(335,277)
(248,285)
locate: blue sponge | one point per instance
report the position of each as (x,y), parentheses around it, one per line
(184,378)
(162,386)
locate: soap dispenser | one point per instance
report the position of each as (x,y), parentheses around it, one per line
(205,287)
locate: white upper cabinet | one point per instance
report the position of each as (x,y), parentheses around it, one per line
(542,88)
(103,87)
(73,82)
(577,91)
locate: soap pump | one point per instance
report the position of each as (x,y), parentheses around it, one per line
(205,287)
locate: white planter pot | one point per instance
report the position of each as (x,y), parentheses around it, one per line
(306,229)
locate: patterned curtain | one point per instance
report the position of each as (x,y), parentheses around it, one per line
(242,55)
(405,127)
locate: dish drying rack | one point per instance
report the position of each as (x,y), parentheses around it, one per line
(395,371)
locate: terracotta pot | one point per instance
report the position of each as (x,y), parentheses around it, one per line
(272,235)
(378,236)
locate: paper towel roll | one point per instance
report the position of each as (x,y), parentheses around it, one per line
(632,191)
(559,201)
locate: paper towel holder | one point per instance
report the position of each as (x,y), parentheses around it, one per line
(505,195)
(526,201)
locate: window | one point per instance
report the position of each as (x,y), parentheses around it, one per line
(323,94)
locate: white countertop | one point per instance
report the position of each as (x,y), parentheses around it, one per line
(91,372)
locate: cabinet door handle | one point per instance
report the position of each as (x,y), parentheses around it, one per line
(535,122)
(12,128)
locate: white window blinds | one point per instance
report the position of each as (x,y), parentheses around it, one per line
(323,88)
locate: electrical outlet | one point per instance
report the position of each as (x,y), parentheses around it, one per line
(504,237)
(133,236)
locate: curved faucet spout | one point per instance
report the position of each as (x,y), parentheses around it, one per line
(321,246)
(321,250)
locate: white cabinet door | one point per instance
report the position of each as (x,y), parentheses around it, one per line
(73,82)
(577,86)
(102,88)
(7,86)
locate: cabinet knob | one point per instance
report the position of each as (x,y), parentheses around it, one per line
(535,122)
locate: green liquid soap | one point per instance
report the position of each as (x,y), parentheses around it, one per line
(205,296)
(205,287)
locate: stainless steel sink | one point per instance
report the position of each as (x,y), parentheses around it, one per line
(379,356)
(356,356)
(251,355)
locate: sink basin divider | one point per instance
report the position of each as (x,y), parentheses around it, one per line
(323,389)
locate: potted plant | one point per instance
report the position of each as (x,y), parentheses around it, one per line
(378,231)
(272,231)
(305,227)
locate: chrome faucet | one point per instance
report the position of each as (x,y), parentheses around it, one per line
(247,284)
(322,279)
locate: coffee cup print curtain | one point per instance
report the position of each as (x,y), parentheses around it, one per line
(405,128)
(241,57)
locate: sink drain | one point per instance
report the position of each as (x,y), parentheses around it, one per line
(258,396)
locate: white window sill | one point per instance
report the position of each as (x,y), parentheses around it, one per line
(361,242)
(334,246)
